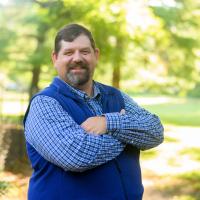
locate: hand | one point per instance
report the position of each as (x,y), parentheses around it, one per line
(95,125)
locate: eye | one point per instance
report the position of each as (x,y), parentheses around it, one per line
(68,53)
(85,52)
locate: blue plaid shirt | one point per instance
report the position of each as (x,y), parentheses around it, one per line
(61,141)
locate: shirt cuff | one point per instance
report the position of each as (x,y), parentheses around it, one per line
(113,121)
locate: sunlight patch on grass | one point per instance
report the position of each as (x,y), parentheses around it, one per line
(175,170)
(168,160)
(194,153)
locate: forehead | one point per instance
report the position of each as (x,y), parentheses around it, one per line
(81,41)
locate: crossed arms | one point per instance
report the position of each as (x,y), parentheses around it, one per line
(61,141)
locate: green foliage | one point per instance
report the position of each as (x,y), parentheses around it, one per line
(195,92)
(3,187)
(12,119)
(181,25)
(170,139)
(7,35)
(167,49)
(150,154)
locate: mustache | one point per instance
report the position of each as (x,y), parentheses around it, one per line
(78,64)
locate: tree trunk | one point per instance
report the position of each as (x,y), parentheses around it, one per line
(35,80)
(116,76)
(117,61)
(36,63)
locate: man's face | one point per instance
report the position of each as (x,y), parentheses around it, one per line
(76,61)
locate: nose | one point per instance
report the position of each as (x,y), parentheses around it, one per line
(77,56)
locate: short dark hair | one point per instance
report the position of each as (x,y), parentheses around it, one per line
(69,33)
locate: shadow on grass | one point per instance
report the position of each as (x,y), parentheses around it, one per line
(184,187)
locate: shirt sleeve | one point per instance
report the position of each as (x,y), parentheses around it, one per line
(61,141)
(137,126)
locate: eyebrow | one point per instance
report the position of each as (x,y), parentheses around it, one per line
(70,49)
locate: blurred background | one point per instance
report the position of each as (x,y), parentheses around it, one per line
(149,49)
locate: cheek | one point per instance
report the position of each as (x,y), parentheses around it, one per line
(91,61)
(62,62)
(60,66)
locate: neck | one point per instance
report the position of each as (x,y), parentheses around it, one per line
(87,88)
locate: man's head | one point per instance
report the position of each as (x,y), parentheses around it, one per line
(69,33)
(75,55)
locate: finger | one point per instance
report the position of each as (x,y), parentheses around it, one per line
(88,128)
(122,111)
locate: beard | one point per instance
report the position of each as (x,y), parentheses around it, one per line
(80,78)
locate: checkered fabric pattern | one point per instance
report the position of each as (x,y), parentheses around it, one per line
(61,141)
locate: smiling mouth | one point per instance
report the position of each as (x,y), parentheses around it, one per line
(77,69)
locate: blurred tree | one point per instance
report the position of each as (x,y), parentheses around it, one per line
(41,18)
(168,48)
(7,36)
(111,35)
(181,22)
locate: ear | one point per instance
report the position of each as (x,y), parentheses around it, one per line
(54,57)
(97,53)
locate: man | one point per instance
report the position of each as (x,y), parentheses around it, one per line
(83,138)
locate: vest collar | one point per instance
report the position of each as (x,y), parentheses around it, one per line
(72,92)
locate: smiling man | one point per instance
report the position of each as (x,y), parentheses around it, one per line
(83,137)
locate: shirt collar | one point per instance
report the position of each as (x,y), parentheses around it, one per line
(82,94)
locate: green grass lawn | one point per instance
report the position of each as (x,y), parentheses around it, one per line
(180,111)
